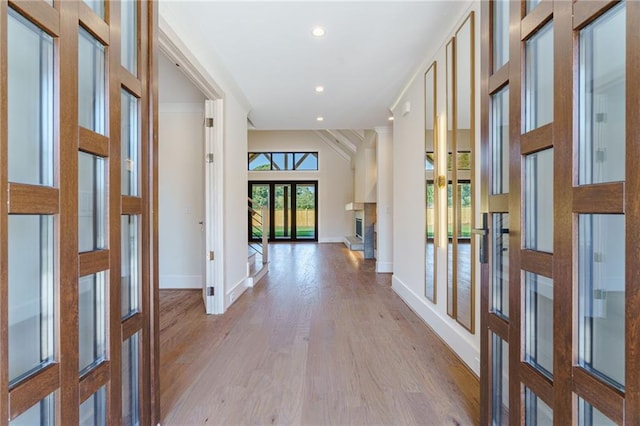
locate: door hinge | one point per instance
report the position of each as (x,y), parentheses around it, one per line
(212,256)
(210,158)
(211,291)
(208,122)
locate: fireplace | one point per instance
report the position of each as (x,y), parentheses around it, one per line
(359,227)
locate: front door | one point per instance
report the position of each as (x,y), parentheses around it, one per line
(560,295)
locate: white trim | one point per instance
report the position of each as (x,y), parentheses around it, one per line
(385,130)
(336,147)
(326,240)
(384,267)
(234,293)
(172,46)
(457,338)
(180,282)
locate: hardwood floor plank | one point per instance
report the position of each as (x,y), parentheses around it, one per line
(321,340)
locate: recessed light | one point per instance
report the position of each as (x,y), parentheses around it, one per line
(318,32)
(319,89)
(320,118)
(391,118)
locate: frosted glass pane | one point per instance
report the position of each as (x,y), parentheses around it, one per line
(499,381)
(30,102)
(539,79)
(91,83)
(130,269)
(91,321)
(601,293)
(93,411)
(31,294)
(538,321)
(92,200)
(129,35)
(602,98)
(97,6)
(131,381)
(591,416)
(538,201)
(536,412)
(42,414)
(500,142)
(500,33)
(130,140)
(500,267)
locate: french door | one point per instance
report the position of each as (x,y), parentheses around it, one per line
(293,210)
(76,204)
(561,141)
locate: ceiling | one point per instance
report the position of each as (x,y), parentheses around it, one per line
(370,51)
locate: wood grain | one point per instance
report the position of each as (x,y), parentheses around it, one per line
(33,199)
(91,382)
(600,198)
(536,19)
(537,140)
(326,343)
(93,143)
(40,13)
(93,23)
(539,384)
(537,262)
(93,262)
(131,205)
(605,398)
(499,79)
(585,11)
(35,388)
(4,218)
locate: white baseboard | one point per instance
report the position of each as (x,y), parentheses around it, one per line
(180,281)
(458,339)
(235,292)
(331,240)
(384,267)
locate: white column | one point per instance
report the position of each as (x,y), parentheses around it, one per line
(384,262)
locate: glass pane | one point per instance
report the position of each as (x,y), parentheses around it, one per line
(449,246)
(306,160)
(31,294)
(97,6)
(91,320)
(260,197)
(464,160)
(30,101)
(500,34)
(129,35)
(91,83)
(92,200)
(602,98)
(531,4)
(94,411)
(259,161)
(130,140)
(500,267)
(499,381)
(464,289)
(305,211)
(538,201)
(601,292)
(130,268)
(429,161)
(538,322)
(536,412)
(500,142)
(42,413)
(282,216)
(591,416)
(539,79)
(131,381)
(430,238)
(282,160)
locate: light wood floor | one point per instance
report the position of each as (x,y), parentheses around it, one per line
(321,340)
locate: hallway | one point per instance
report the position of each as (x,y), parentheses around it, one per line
(322,339)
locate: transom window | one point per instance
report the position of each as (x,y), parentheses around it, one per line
(283,161)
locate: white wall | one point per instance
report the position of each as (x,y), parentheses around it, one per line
(335,177)
(409,212)
(181,195)
(366,171)
(384,226)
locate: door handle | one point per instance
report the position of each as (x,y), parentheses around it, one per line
(483,233)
